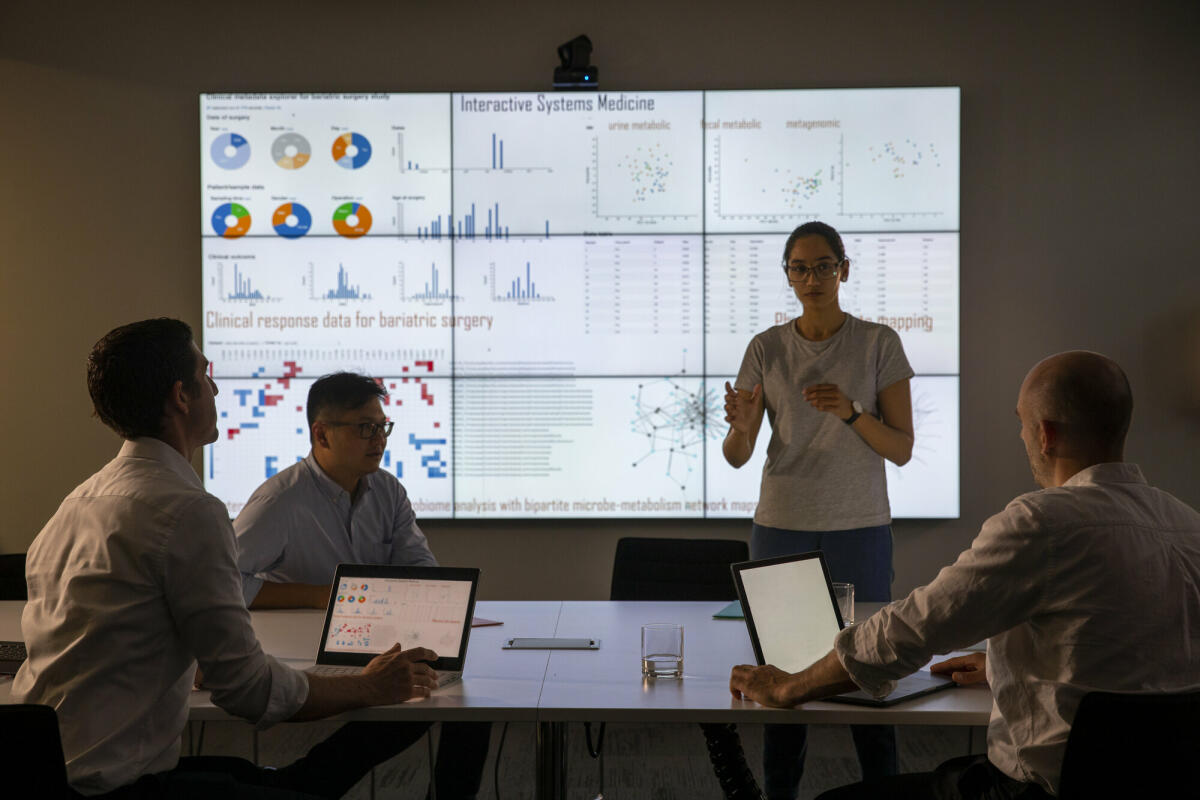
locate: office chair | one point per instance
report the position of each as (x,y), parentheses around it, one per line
(1125,745)
(12,577)
(675,569)
(30,747)
(686,569)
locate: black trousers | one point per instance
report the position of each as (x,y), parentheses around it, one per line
(328,770)
(962,778)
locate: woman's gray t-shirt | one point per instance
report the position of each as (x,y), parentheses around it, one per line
(820,475)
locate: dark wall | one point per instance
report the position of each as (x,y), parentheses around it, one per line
(1080,168)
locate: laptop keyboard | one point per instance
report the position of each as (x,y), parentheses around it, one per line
(13,651)
(325,669)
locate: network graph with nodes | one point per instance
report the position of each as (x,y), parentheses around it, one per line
(670,419)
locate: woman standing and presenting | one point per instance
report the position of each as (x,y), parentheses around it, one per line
(836,391)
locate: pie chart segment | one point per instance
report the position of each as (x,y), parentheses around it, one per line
(291,220)
(352,220)
(231,220)
(291,150)
(351,150)
(230,150)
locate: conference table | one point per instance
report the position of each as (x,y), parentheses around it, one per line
(554,688)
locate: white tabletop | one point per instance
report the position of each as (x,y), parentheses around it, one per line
(606,684)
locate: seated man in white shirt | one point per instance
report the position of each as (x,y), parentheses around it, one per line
(134,580)
(1059,583)
(337,506)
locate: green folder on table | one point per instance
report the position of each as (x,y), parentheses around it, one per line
(731,611)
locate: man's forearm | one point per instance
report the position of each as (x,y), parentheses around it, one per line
(825,678)
(329,695)
(291,595)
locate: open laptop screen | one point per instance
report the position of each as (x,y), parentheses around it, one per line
(790,609)
(374,608)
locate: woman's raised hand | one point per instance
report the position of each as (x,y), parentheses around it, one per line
(742,408)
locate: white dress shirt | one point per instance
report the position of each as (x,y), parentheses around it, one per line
(131,582)
(1094,585)
(300,524)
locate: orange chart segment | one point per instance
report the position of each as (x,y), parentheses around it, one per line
(231,220)
(291,150)
(351,150)
(352,220)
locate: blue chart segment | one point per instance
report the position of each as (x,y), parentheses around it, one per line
(231,220)
(351,150)
(291,220)
(230,150)
(497,164)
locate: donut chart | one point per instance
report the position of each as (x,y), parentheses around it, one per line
(291,220)
(231,220)
(230,150)
(351,150)
(351,220)
(291,151)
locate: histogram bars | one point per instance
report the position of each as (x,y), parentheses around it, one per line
(242,289)
(467,227)
(344,290)
(496,165)
(432,287)
(529,293)
(518,291)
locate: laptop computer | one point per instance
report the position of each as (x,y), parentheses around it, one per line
(793,617)
(373,607)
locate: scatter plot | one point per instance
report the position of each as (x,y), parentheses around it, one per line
(799,188)
(904,156)
(670,420)
(648,168)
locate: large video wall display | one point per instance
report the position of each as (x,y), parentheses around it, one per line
(554,287)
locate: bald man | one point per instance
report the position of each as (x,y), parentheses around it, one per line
(1088,584)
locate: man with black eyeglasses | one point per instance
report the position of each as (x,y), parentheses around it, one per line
(337,506)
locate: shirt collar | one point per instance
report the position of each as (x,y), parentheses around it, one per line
(158,450)
(328,485)
(1113,472)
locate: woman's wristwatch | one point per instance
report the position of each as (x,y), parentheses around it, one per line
(857,409)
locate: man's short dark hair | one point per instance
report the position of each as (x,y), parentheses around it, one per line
(132,370)
(341,391)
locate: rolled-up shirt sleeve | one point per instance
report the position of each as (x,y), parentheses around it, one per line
(204,595)
(992,586)
(409,545)
(262,530)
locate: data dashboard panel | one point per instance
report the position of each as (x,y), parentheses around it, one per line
(554,287)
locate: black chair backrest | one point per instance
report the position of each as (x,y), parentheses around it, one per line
(30,747)
(12,577)
(1124,745)
(676,569)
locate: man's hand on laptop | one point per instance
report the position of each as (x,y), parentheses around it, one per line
(768,686)
(966,669)
(400,675)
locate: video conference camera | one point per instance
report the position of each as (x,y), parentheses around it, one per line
(576,72)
